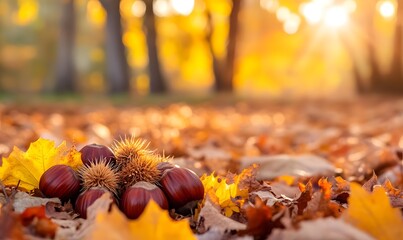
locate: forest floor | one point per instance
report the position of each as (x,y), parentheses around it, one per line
(308,154)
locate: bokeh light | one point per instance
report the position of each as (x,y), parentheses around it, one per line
(336,16)
(138,8)
(386,8)
(183,7)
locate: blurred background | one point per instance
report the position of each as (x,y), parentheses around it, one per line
(315,48)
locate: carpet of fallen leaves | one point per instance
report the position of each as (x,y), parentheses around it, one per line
(271,170)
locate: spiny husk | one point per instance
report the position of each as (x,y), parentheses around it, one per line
(130,148)
(100,174)
(142,168)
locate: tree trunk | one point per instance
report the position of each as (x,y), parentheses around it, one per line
(227,84)
(218,69)
(157,83)
(224,71)
(117,70)
(65,69)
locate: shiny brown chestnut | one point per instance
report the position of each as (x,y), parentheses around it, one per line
(181,186)
(95,152)
(60,181)
(87,198)
(135,198)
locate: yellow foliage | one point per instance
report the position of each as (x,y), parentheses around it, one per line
(96,13)
(230,197)
(154,223)
(373,213)
(29,166)
(27,12)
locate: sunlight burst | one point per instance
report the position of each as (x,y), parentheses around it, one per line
(183,7)
(386,9)
(336,16)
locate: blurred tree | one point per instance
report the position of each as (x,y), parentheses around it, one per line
(65,69)
(378,80)
(224,68)
(157,83)
(117,69)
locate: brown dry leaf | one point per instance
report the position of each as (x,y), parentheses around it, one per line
(321,229)
(10,227)
(212,218)
(369,185)
(23,200)
(372,213)
(305,197)
(395,195)
(279,165)
(260,223)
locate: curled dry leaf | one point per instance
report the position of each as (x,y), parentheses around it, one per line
(369,185)
(23,200)
(260,220)
(212,218)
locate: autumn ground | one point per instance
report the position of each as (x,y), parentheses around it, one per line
(309,153)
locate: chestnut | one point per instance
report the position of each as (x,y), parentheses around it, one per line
(95,152)
(60,181)
(136,198)
(87,198)
(163,166)
(181,186)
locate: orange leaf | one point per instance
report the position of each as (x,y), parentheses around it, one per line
(372,213)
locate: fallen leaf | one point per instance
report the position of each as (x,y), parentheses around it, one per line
(212,218)
(29,166)
(321,229)
(279,165)
(36,220)
(154,223)
(326,187)
(305,197)
(23,200)
(260,223)
(215,233)
(372,213)
(369,185)
(229,196)
(11,226)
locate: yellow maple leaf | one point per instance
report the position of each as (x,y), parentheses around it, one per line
(373,213)
(28,167)
(230,197)
(154,223)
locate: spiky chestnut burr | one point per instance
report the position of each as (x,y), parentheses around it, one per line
(100,174)
(60,181)
(130,148)
(136,198)
(87,198)
(181,186)
(142,168)
(94,152)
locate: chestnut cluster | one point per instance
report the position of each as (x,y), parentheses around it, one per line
(131,173)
